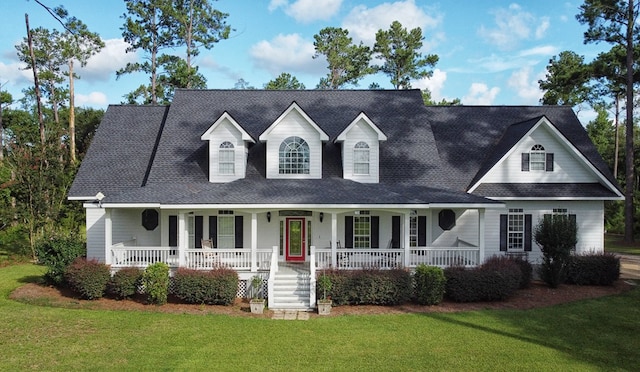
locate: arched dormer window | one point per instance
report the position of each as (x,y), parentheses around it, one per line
(226,158)
(537,158)
(361,158)
(294,156)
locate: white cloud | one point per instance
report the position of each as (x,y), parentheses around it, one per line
(526,86)
(112,57)
(306,11)
(513,25)
(14,74)
(480,94)
(363,22)
(286,53)
(92,99)
(434,84)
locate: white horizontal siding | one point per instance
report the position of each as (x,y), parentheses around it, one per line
(226,131)
(589,219)
(294,124)
(567,167)
(95,233)
(361,131)
(127,227)
(466,229)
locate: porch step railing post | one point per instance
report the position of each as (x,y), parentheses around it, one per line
(312,276)
(273,269)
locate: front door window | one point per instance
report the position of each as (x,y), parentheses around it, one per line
(295,239)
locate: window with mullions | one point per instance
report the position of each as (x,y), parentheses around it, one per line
(413,229)
(515,232)
(362,230)
(361,158)
(226,229)
(226,158)
(294,156)
(537,158)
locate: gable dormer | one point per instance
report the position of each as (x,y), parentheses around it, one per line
(227,149)
(361,150)
(294,145)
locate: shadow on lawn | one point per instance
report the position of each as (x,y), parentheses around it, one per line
(602,332)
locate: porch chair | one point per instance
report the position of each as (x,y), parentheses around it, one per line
(209,256)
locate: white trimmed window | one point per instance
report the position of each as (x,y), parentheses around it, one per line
(362,230)
(226,158)
(515,232)
(191,231)
(294,156)
(361,158)
(226,229)
(537,158)
(560,212)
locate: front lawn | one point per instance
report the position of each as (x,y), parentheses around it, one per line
(587,335)
(613,243)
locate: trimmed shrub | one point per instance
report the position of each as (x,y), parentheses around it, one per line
(213,287)
(429,284)
(369,287)
(557,235)
(494,281)
(155,281)
(526,272)
(125,282)
(56,254)
(88,278)
(593,269)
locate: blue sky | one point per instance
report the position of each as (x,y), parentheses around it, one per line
(491,52)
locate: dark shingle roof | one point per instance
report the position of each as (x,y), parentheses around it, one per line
(154,154)
(120,152)
(544,190)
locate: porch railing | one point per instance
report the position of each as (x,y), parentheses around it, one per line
(205,259)
(353,259)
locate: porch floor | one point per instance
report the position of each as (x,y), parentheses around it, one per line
(293,268)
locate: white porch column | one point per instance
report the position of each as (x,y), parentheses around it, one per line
(334,239)
(108,236)
(407,237)
(481,234)
(254,242)
(182,239)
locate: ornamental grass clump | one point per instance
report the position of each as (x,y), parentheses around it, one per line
(88,278)
(155,281)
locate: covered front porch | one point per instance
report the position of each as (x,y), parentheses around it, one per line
(248,240)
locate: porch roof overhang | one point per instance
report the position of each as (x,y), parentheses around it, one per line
(270,194)
(547,191)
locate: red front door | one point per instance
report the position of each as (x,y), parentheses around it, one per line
(295,239)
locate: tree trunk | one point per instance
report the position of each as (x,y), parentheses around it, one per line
(629,155)
(617,139)
(35,80)
(72,115)
(1,133)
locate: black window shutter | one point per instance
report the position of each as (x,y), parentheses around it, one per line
(527,232)
(198,231)
(422,231)
(549,167)
(348,231)
(375,232)
(173,231)
(239,231)
(503,232)
(213,230)
(395,231)
(525,161)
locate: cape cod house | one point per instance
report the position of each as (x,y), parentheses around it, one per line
(261,180)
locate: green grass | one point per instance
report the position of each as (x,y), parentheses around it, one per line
(600,334)
(613,243)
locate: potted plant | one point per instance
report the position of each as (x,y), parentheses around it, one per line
(324,304)
(256,302)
